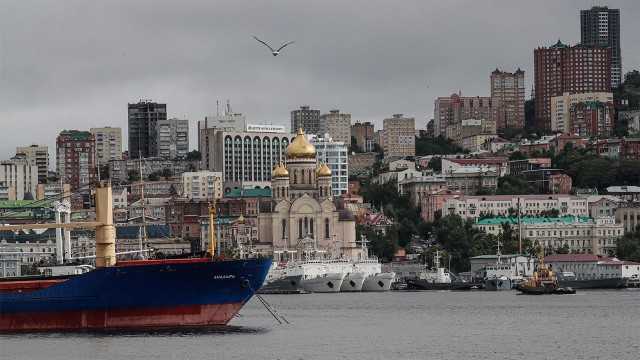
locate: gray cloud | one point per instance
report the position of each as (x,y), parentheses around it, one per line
(76,64)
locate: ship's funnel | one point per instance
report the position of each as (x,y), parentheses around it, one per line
(106,233)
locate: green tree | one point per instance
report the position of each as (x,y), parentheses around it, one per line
(517,155)
(194,155)
(514,185)
(438,146)
(167,173)
(133,176)
(628,246)
(154,176)
(435,164)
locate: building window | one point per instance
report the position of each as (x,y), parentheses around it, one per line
(300,228)
(326,228)
(284,229)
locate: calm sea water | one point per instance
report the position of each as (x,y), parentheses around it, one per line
(395,325)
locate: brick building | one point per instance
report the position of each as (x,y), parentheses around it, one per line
(507,98)
(574,69)
(76,158)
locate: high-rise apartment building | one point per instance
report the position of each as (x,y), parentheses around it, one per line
(561,106)
(451,110)
(37,155)
(573,69)
(337,125)
(76,158)
(108,144)
(245,158)
(172,138)
(600,26)
(507,99)
(306,119)
(399,134)
(143,117)
(335,155)
(364,134)
(20,177)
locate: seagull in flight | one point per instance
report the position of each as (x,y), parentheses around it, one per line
(273,52)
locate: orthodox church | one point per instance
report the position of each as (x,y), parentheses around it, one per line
(303,208)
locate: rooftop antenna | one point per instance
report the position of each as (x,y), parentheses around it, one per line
(228,107)
(217,107)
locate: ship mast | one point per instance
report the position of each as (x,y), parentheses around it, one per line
(143,229)
(212,230)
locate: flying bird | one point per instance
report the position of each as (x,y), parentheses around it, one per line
(273,52)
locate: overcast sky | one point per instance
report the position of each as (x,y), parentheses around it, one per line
(76,64)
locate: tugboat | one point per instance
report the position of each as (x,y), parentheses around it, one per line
(543,282)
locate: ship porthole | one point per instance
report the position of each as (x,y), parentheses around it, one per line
(380,283)
(293,283)
(244,283)
(352,283)
(330,284)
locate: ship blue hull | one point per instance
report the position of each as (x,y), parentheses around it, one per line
(138,295)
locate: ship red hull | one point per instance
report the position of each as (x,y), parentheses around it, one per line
(140,319)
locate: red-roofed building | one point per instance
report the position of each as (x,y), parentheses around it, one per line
(590,267)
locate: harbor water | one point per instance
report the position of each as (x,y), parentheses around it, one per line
(393,325)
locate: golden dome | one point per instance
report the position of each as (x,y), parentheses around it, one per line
(301,148)
(323,170)
(279,171)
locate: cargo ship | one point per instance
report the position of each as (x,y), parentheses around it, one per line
(129,295)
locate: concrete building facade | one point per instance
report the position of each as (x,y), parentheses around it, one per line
(37,155)
(76,158)
(202,185)
(20,177)
(561,107)
(600,26)
(399,134)
(507,99)
(472,207)
(108,144)
(364,134)
(142,119)
(306,119)
(172,138)
(450,111)
(335,155)
(574,69)
(337,125)
(244,158)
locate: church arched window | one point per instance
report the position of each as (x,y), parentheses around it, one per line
(306,225)
(284,229)
(300,228)
(311,226)
(295,176)
(326,228)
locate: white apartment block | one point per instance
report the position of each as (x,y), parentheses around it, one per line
(335,155)
(108,144)
(561,106)
(37,155)
(579,233)
(20,177)
(172,138)
(202,185)
(472,207)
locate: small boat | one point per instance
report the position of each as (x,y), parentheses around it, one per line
(436,279)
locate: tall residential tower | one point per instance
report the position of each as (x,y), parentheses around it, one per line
(600,26)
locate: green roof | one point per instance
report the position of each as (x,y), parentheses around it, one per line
(24,204)
(567,219)
(239,193)
(76,134)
